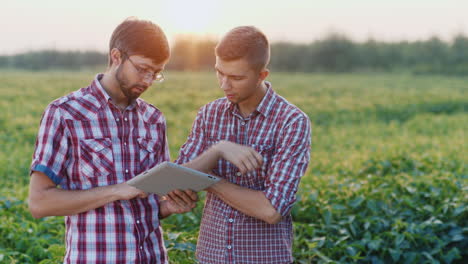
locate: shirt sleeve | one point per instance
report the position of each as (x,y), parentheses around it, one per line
(288,165)
(165,152)
(51,149)
(196,141)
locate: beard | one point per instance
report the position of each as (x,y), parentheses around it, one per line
(131,90)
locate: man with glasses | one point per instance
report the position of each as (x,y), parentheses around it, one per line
(247,216)
(92,141)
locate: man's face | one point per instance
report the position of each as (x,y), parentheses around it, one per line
(135,74)
(237,79)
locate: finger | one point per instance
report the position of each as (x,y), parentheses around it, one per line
(239,164)
(183,196)
(192,194)
(175,199)
(242,166)
(255,161)
(258,157)
(249,165)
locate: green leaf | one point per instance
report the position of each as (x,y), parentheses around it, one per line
(327,215)
(374,244)
(338,207)
(356,202)
(351,251)
(395,254)
(454,253)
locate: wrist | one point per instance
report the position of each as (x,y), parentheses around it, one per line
(218,150)
(114,192)
(216,188)
(163,211)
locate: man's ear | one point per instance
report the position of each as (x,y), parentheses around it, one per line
(263,74)
(116,57)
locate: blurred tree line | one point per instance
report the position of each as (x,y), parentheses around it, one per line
(334,53)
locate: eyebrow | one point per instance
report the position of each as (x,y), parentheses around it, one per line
(229,75)
(151,68)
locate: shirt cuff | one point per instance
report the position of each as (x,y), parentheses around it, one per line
(281,206)
(47,171)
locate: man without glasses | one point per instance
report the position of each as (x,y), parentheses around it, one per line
(247,217)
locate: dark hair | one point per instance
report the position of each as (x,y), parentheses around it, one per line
(245,42)
(140,37)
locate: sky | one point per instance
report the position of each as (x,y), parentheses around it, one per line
(27,25)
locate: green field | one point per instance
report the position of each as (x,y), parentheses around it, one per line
(387,182)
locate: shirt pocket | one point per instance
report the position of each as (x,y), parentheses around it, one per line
(97,161)
(148,151)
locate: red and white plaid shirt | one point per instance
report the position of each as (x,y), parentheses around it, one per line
(280,132)
(85,141)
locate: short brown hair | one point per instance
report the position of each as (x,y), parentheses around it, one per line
(245,42)
(140,37)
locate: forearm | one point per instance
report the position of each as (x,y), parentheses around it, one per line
(58,202)
(250,202)
(206,161)
(45,199)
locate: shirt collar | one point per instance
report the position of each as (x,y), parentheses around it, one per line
(265,105)
(268,100)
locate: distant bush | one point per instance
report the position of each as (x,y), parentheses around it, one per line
(334,53)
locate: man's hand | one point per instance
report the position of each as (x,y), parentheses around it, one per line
(127,192)
(177,202)
(243,157)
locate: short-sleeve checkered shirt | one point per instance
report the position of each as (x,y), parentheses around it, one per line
(280,132)
(85,141)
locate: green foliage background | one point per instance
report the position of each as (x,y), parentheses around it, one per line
(387,181)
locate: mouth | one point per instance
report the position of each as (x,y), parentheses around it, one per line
(140,88)
(230,96)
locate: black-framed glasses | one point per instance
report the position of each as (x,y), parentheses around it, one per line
(146,74)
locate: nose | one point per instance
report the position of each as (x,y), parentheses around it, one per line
(224,83)
(148,81)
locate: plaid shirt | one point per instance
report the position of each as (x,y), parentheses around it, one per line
(280,132)
(84,142)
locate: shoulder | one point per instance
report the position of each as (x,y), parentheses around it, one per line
(217,106)
(288,112)
(70,102)
(149,112)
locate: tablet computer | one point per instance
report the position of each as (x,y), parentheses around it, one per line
(168,176)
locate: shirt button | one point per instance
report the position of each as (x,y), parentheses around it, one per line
(141,247)
(231,220)
(138,221)
(243,123)
(125,143)
(238,173)
(117,119)
(126,171)
(125,119)
(229,247)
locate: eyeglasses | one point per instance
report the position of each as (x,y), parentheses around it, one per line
(146,74)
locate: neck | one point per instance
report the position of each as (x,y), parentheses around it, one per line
(112,87)
(248,106)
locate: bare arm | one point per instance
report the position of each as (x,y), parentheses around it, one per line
(45,199)
(243,157)
(248,201)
